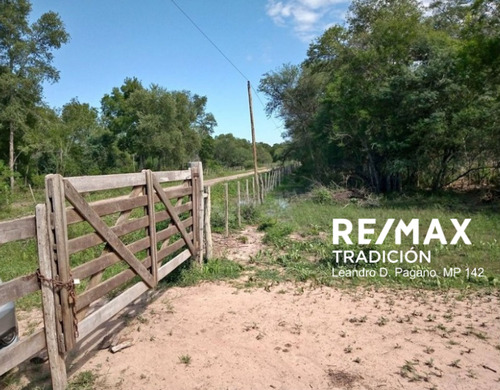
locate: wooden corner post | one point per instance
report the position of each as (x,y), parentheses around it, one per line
(198,208)
(61,279)
(56,358)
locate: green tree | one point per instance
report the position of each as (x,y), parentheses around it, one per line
(397,97)
(159,128)
(64,142)
(26,54)
(230,151)
(295,96)
(264,156)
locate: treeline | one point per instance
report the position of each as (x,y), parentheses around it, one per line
(136,127)
(400,97)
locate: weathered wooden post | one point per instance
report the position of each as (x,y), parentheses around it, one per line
(198,207)
(56,358)
(238,207)
(253,190)
(226,201)
(56,207)
(208,225)
(151,229)
(254,145)
(263,189)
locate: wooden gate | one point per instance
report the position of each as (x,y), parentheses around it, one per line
(107,240)
(99,247)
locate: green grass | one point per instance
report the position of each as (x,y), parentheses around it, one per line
(190,274)
(249,212)
(20,258)
(85,380)
(310,215)
(185,359)
(268,274)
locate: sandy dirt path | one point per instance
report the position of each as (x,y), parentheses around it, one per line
(294,338)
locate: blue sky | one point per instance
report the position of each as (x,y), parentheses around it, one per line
(153,41)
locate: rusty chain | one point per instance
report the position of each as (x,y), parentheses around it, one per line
(68,285)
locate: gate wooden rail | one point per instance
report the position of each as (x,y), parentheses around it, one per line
(145,234)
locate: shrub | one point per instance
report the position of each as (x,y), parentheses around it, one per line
(4,184)
(250,213)
(321,195)
(267,223)
(276,234)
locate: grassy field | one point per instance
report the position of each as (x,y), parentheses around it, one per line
(298,227)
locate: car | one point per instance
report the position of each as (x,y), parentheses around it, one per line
(8,324)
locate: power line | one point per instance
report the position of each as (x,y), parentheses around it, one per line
(209,40)
(223,55)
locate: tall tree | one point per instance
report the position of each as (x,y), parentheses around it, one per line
(26,55)
(64,142)
(160,128)
(399,96)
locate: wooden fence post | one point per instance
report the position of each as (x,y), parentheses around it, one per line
(253,191)
(208,226)
(226,200)
(56,359)
(263,189)
(238,207)
(194,200)
(199,205)
(56,205)
(261,192)
(202,212)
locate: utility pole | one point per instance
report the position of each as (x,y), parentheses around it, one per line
(256,171)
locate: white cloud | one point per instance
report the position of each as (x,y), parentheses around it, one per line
(278,11)
(305,16)
(315,4)
(308,18)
